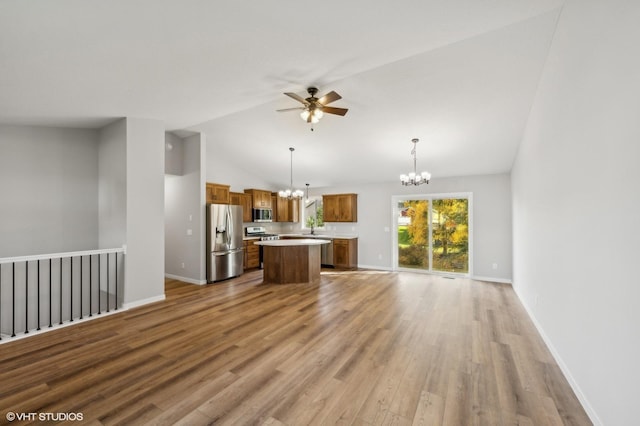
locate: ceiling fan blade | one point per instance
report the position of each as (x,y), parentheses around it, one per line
(329,97)
(333,110)
(297,98)
(289,109)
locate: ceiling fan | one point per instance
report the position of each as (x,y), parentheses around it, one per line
(314,108)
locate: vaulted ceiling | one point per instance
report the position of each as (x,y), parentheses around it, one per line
(459,75)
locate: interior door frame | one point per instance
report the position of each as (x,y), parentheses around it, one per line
(395,199)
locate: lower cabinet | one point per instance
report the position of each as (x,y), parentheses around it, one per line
(345,253)
(251,254)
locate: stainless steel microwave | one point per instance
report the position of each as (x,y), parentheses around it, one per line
(262,215)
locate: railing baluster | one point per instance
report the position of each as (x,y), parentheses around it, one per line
(38,324)
(116,256)
(13,302)
(71,290)
(90,285)
(99,284)
(61,291)
(81,287)
(50,292)
(26,297)
(108,282)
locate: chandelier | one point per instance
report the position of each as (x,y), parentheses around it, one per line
(291,193)
(414,178)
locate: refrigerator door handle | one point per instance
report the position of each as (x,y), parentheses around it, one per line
(230,227)
(225,252)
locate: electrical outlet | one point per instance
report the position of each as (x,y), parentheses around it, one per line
(494,266)
(182,265)
(189,231)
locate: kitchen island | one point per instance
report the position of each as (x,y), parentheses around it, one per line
(294,261)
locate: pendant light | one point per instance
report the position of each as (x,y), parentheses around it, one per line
(291,193)
(413,178)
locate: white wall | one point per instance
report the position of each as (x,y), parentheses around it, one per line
(576,202)
(49,186)
(491,220)
(220,169)
(173,155)
(185,210)
(145,211)
(113,185)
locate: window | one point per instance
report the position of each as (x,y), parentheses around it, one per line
(312,213)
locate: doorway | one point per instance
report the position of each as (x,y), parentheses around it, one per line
(432,233)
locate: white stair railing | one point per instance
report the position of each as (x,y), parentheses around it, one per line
(45,291)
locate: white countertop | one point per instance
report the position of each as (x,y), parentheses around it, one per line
(321,236)
(293,242)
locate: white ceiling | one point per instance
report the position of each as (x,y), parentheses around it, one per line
(459,75)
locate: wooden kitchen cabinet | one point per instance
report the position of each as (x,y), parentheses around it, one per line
(340,207)
(234,198)
(285,210)
(244,200)
(218,193)
(276,207)
(251,254)
(260,198)
(345,253)
(294,211)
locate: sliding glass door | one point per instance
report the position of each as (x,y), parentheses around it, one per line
(433,233)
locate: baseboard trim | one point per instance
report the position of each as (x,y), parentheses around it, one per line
(492,279)
(142,302)
(185,279)
(45,329)
(381,268)
(563,367)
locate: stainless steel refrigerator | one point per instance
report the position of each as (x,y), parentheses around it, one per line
(224,242)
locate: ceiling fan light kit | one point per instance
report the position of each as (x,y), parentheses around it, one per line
(314,108)
(413,178)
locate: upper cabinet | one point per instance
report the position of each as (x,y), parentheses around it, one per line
(340,207)
(285,210)
(260,198)
(244,200)
(217,193)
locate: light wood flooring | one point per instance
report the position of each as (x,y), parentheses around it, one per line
(361,347)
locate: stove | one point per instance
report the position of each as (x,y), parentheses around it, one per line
(260,232)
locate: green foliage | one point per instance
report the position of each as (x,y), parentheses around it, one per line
(403,236)
(320,216)
(311,222)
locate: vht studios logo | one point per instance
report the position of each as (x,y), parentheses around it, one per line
(44,417)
